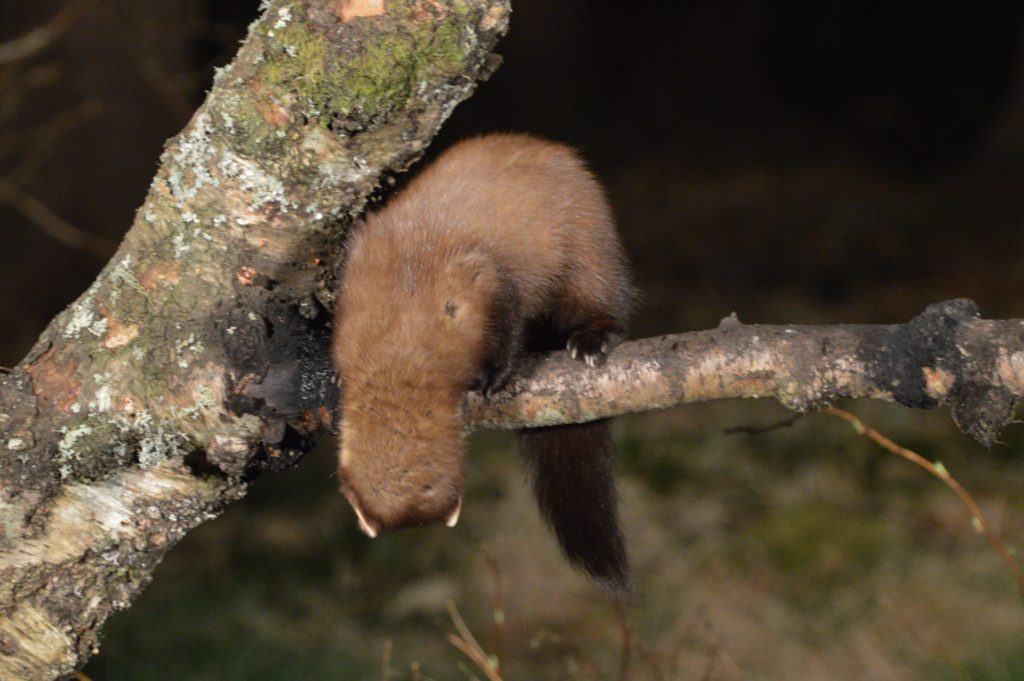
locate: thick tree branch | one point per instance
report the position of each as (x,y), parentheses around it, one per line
(946,355)
(200,352)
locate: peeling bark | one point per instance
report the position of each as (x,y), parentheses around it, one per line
(945,355)
(200,353)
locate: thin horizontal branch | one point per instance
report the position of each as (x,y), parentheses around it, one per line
(946,355)
(36,40)
(52,224)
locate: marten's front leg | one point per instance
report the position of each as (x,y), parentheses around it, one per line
(505,339)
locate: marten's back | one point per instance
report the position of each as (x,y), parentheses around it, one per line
(530,203)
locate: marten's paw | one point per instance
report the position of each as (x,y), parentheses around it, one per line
(592,342)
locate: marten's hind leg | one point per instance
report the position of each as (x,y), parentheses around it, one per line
(572,466)
(592,341)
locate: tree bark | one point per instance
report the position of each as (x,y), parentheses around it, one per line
(200,353)
(945,355)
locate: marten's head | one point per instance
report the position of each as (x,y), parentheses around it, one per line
(410,336)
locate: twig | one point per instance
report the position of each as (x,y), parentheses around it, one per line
(476,655)
(51,223)
(39,142)
(467,643)
(497,611)
(16,82)
(940,472)
(39,38)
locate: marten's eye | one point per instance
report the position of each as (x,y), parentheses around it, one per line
(450,309)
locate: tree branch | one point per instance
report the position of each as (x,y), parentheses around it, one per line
(946,355)
(200,353)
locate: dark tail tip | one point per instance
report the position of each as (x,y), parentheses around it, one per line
(572,471)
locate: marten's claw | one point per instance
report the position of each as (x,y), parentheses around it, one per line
(365,526)
(491,380)
(587,347)
(453,517)
(593,341)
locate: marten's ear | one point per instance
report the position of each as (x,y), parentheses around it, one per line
(470,275)
(469,266)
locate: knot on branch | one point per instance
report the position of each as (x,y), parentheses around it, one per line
(930,362)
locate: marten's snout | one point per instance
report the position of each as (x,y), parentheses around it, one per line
(406,509)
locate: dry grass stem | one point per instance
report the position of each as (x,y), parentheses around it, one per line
(940,472)
(497,612)
(465,642)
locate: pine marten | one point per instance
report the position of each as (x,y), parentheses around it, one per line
(505,243)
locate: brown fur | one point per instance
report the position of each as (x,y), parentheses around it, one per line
(500,231)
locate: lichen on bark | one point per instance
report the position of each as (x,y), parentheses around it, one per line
(200,351)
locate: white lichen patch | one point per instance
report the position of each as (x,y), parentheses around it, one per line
(16,444)
(71,436)
(99,327)
(66,448)
(161,443)
(190,171)
(284,15)
(181,245)
(82,317)
(205,400)
(187,349)
(262,187)
(122,275)
(103,399)
(156,440)
(313,210)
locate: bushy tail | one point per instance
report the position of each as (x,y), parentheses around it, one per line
(572,471)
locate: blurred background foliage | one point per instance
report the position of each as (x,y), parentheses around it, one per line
(793,161)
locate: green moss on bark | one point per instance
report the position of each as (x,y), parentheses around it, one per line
(389,68)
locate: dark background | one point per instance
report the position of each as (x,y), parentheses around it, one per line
(793,161)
